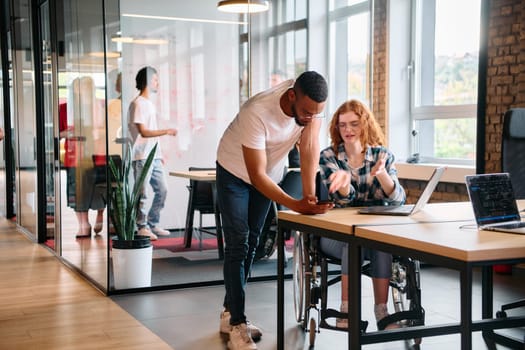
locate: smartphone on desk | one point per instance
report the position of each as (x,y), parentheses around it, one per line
(325,201)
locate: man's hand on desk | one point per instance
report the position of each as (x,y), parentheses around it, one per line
(309,205)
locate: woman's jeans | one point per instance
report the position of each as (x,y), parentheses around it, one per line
(380,262)
(158,183)
(243,211)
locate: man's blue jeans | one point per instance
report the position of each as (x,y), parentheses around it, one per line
(158,183)
(243,211)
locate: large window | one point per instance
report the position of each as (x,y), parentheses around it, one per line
(349,51)
(279,43)
(444,84)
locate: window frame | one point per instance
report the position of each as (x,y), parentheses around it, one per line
(425,112)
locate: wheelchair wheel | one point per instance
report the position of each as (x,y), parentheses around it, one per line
(299,273)
(399,300)
(398,284)
(312,331)
(405,291)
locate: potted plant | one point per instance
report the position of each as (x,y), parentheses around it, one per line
(131,254)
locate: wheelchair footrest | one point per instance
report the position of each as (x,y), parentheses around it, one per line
(333,314)
(414,318)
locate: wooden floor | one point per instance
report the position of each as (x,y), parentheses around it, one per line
(44,305)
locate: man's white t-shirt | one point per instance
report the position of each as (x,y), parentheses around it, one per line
(260,124)
(143,111)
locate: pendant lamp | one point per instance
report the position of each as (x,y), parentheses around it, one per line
(243,6)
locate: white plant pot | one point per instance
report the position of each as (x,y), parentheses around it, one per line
(132,267)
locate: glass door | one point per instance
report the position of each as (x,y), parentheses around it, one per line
(24,126)
(81,101)
(48,91)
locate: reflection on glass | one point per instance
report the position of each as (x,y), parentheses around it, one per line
(49,136)
(199,87)
(25,123)
(82,124)
(2,159)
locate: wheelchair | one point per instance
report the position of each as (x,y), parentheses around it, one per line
(311,281)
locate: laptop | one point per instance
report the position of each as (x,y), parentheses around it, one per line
(494,204)
(408,209)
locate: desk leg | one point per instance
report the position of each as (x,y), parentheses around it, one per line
(487,299)
(280,289)
(354,294)
(466,308)
(188,231)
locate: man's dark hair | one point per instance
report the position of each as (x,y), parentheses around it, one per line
(313,85)
(143,77)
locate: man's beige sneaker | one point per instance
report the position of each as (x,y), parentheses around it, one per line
(240,338)
(225,327)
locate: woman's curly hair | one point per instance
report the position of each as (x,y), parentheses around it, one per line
(371,134)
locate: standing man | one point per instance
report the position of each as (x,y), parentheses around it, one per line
(250,160)
(142,119)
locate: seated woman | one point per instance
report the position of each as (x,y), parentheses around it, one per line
(359,171)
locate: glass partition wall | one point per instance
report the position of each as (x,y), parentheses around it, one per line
(195,50)
(88,53)
(205,67)
(81,95)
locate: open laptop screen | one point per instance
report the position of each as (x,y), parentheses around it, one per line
(492,198)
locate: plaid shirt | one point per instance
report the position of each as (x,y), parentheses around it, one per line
(365,190)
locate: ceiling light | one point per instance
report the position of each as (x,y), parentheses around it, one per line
(243,6)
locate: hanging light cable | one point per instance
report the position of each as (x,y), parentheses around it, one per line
(243,6)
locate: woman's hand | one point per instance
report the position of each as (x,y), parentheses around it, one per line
(379,167)
(339,181)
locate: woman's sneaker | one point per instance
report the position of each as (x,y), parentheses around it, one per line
(342,322)
(380,312)
(240,338)
(225,327)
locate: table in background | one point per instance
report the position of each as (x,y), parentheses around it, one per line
(203,176)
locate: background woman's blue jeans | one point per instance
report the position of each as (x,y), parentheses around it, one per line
(243,211)
(158,183)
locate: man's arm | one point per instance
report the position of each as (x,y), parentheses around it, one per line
(145,132)
(255,161)
(309,152)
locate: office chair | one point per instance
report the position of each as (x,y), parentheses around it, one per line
(201,199)
(513,149)
(513,162)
